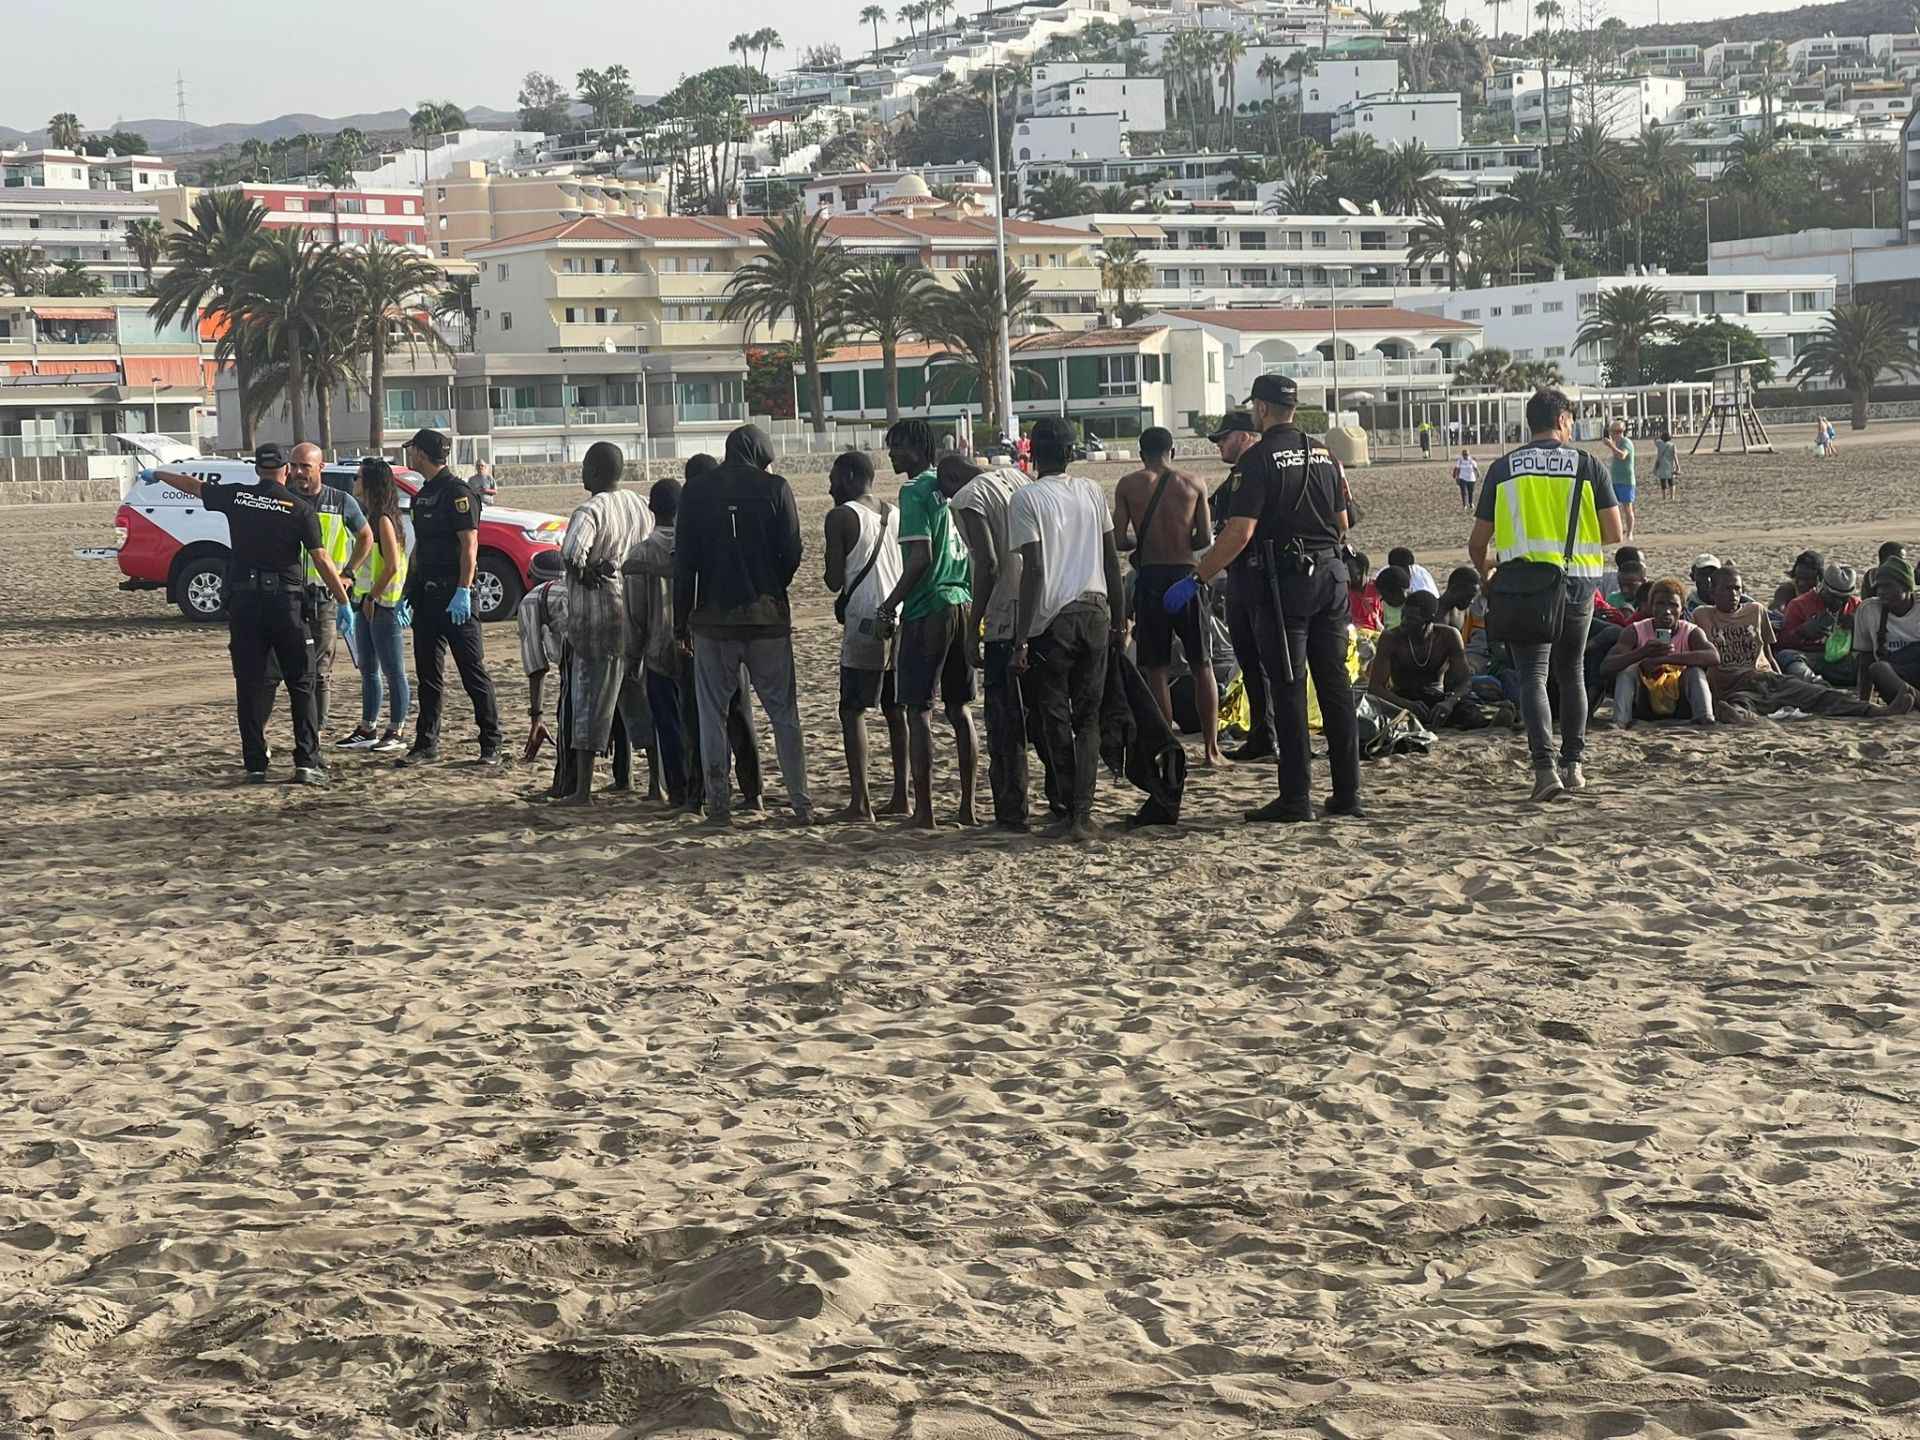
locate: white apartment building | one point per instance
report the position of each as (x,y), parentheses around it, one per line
(1667,59)
(1267,261)
(1334,83)
(1507,88)
(1190,177)
(1623,107)
(1481,172)
(1539,321)
(1069,137)
(906,192)
(1854,257)
(69,170)
(1729,58)
(81,223)
(1100,89)
(1401,118)
(1816,51)
(1382,351)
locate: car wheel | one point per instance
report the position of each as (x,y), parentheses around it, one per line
(200,589)
(496,589)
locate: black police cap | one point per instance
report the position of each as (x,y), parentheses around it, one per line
(430,443)
(269,457)
(1278,390)
(1235,422)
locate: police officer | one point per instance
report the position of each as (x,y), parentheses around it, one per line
(446,552)
(268,527)
(1234,438)
(1287,518)
(347,540)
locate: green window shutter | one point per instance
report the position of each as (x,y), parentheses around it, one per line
(876,387)
(913,386)
(1029,386)
(1083,377)
(844,386)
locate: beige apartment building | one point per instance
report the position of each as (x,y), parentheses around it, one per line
(613,283)
(473,207)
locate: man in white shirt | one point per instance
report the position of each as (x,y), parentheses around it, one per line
(602,535)
(1072,610)
(981,501)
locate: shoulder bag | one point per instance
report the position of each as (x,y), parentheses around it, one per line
(840,600)
(1146,519)
(1526,598)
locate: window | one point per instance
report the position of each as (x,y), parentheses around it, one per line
(506,320)
(606,267)
(295,204)
(503,270)
(1495,310)
(352,205)
(574,315)
(1469,314)
(443,222)
(1523,309)
(1556,352)
(1196,277)
(606,315)
(1150,369)
(376,207)
(352,237)
(1523,354)
(445,249)
(1807,300)
(1213,368)
(1552,307)
(570,265)
(1169,279)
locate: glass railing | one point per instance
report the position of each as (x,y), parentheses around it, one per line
(1361,367)
(694,413)
(535,415)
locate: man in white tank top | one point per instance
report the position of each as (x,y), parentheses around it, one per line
(863,566)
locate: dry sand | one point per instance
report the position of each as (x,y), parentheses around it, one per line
(408,1108)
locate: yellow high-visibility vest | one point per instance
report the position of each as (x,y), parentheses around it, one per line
(1530,512)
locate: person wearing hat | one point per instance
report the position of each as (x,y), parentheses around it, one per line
(1701,572)
(1886,633)
(268,529)
(1235,436)
(1286,523)
(1803,578)
(1817,629)
(446,552)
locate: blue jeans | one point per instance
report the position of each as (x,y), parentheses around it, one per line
(382,653)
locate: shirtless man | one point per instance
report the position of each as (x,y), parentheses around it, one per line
(1420,666)
(1161,514)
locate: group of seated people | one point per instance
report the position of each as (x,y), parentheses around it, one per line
(1700,649)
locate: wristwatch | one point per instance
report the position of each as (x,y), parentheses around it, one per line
(346,577)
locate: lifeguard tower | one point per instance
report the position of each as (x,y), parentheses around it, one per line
(1733,406)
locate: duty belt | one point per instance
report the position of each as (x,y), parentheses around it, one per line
(265,581)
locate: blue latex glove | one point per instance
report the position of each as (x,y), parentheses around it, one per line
(403,612)
(460,607)
(1180,594)
(343,622)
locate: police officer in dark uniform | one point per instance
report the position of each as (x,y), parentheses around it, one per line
(1285,523)
(446,553)
(1235,437)
(268,527)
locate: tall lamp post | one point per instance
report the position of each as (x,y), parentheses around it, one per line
(1009,427)
(1333,316)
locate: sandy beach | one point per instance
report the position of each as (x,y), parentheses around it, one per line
(409,1108)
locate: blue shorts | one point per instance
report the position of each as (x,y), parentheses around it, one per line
(1624,493)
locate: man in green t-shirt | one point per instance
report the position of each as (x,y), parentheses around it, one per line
(931,600)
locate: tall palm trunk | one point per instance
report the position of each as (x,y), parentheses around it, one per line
(890,369)
(377,396)
(1859,416)
(323,406)
(810,353)
(297,392)
(243,389)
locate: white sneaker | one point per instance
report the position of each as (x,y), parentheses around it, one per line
(1547,785)
(360,739)
(1573,777)
(392,740)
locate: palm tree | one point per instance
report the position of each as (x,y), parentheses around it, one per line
(1595,167)
(1623,319)
(388,288)
(1658,158)
(1494,5)
(1486,367)
(767,40)
(1270,69)
(147,239)
(1446,234)
(966,320)
(1861,342)
(207,255)
(1535,198)
(24,271)
(873,15)
(255,157)
(1769,58)
(287,298)
(887,301)
(72,278)
(1115,200)
(1060,195)
(456,298)
(1410,181)
(1548,11)
(1502,248)
(798,276)
(1228,52)
(336,175)
(906,16)
(348,144)
(64,132)
(1124,271)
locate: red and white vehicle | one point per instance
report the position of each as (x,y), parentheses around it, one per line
(166,540)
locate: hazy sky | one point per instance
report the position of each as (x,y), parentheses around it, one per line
(248,60)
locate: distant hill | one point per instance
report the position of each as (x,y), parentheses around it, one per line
(1848,17)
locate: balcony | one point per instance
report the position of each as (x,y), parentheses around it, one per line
(1362,367)
(559,417)
(715,413)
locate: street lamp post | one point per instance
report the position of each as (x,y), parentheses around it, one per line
(1873,207)
(1009,427)
(1708,202)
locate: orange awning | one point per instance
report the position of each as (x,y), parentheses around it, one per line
(183,371)
(79,367)
(48,312)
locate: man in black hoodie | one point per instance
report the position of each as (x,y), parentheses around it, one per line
(735,552)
